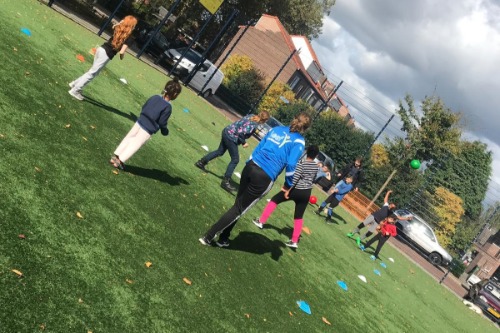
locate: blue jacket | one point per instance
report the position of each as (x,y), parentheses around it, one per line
(280,148)
(343,188)
(154,115)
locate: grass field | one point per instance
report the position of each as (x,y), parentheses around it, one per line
(89,274)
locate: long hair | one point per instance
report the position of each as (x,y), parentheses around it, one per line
(300,123)
(122,31)
(261,118)
(172,89)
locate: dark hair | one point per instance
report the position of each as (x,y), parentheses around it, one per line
(312,151)
(172,89)
(393,216)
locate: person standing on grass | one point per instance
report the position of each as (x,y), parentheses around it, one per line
(354,169)
(232,136)
(118,43)
(336,195)
(372,221)
(154,117)
(386,230)
(299,192)
(280,149)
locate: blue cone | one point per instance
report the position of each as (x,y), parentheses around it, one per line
(185,110)
(383,265)
(376,271)
(342,285)
(304,306)
(26,31)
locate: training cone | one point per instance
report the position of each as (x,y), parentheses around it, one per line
(362,278)
(304,306)
(415,164)
(376,271)
(342,285)
(313,199)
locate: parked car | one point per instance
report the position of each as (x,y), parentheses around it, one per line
(486,295)
(421,235)
(263,129)
(188,63)
(159,44)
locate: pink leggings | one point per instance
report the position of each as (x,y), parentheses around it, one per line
(297,223)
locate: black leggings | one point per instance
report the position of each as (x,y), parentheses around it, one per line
(381,240)
(254,184)
(300,197)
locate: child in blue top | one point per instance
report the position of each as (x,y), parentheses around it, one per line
(280,149)
(336,196)
(232,136)
(154,117)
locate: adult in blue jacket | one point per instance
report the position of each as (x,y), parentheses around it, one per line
(280,149)
(336,195)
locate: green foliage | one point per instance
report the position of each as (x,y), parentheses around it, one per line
(242,78)
(464,234)
(457,267)
(336,138)
(379,156)
(286,112)
(467,175)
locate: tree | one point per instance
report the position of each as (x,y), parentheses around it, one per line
(379,156)
(272,100)
(449,211)
(242,78)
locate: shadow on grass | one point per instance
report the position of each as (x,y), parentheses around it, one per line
(252,242)
(155,174)
(285,231)
(92,101)
(335,218)
(236,185)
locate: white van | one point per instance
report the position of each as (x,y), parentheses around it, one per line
(202,75)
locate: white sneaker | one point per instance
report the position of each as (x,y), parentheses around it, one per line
(257,223)
(76,94)
(204,241)
(292,244)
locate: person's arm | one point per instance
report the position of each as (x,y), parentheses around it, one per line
(386,198)
(163,120)
(122,51)
(292,159)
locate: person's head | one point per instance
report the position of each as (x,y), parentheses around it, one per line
(262,117)
(357,162)
(122,31)
(300,123)
(312,151)
(172,89)
(392,206)
(392,218)
(348,179)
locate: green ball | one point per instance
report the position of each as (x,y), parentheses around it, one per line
(415,164)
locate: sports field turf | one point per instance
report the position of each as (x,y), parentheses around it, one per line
(89,232)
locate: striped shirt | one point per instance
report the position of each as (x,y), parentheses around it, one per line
(305,172)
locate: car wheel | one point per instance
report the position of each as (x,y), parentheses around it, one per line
(207,93)
(435,258)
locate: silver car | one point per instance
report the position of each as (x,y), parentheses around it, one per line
(422,236)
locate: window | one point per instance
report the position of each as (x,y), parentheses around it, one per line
(294,81)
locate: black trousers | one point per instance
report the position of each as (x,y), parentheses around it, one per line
(381,241)
(254,184)
(300,197)
(226,144)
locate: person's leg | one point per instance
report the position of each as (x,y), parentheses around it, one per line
(363,224)
(324,203)
(100,60)
(232,148)
(214,154)
(372,228)
(373,240)
(381,242)
(254,184)
(334,203)
(134,140)
(301,198)
(271,206)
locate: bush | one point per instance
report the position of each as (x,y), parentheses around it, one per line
(271,101)
(457,267)
(242,78)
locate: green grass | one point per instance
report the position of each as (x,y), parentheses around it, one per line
(77,271)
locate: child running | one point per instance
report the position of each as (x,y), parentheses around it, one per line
(336,196)
(281,148)
(386,230)
(299,192)
(118,43)
(154,117)
(232,136)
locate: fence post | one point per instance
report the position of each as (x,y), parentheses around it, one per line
(325,103)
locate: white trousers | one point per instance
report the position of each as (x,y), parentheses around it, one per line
(100,60)
(131,143)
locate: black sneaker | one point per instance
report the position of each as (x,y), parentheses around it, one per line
(222,243)
(226,184)
(200,165)
(328,220)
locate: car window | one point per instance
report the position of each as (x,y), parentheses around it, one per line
(492,289)
(191,55)
(422,229)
